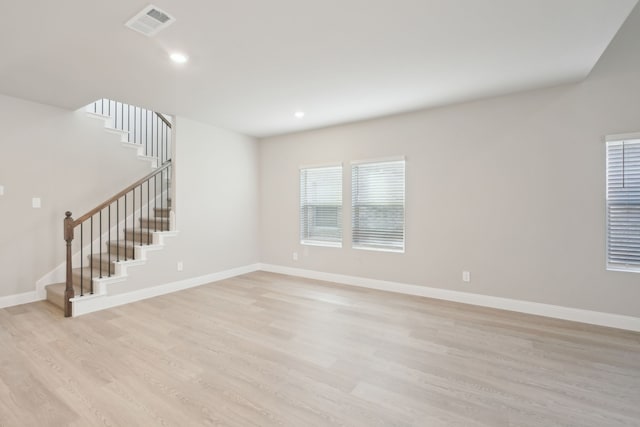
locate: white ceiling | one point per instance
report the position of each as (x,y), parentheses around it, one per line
(253,63)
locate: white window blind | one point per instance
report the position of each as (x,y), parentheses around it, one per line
(377,191)
(623,204)
(321,206)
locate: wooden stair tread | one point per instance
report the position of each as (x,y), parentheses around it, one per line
(55,293)
(155,223)
(164,212)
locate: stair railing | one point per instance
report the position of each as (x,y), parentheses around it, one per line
(104,222)
(149,129)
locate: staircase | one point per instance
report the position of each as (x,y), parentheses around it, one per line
(120,232)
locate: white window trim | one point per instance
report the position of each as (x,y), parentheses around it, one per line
(621,137)
(380,160)
(395,251)
(625,268)
(404,213)
(322,244)
(304,242)
(322,165)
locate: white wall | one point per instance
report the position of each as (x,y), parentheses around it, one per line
(71,163)
(511,189)
(216,206)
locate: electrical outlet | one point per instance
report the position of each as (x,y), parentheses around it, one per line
(1,190)
(180,266)
(466,276)
(295,256)
(36,203)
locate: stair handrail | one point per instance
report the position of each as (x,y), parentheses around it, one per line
(120,194)
(163,118)
(70,224)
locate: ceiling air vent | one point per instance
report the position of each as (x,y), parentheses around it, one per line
(150,20)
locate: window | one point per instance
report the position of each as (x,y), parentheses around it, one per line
(623,204)
(321,206)
(377,191)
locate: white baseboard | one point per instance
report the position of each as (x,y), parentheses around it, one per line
(18,299)
(547,310)
(101,302)
(90,304)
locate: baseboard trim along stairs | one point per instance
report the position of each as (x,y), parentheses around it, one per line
(89,305)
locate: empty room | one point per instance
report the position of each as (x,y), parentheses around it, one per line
(294,213)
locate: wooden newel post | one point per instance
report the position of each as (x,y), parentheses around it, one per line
(68,237)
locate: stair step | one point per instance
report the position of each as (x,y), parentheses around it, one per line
(104,260)
(124,249)
(84,276)
(142,236)
(156,224)
(162,212)
(55,292)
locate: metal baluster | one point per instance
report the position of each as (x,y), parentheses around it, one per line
(109,240)
(91,253)
(146,131)
(135,125)
(133,221)
(126,255)
(155,204)
(140,214)
(161,191)
(81,262)
(156,140)
(151,141)
(100,247)
(148,213)
(118,230)
(159,138)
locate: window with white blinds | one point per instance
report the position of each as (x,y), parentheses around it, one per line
(321,206)
(377,191)
(623,204)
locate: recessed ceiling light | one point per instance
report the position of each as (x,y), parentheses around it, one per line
(299,114)
(178,58)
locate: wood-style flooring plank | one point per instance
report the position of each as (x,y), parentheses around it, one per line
(270,350)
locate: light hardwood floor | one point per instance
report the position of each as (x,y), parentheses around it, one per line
(265,349)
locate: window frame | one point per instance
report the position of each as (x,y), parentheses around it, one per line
(610,140)
(339,215)
(380,248)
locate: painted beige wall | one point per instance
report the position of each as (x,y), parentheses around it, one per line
(511,189)
(71,163)
(216,205)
